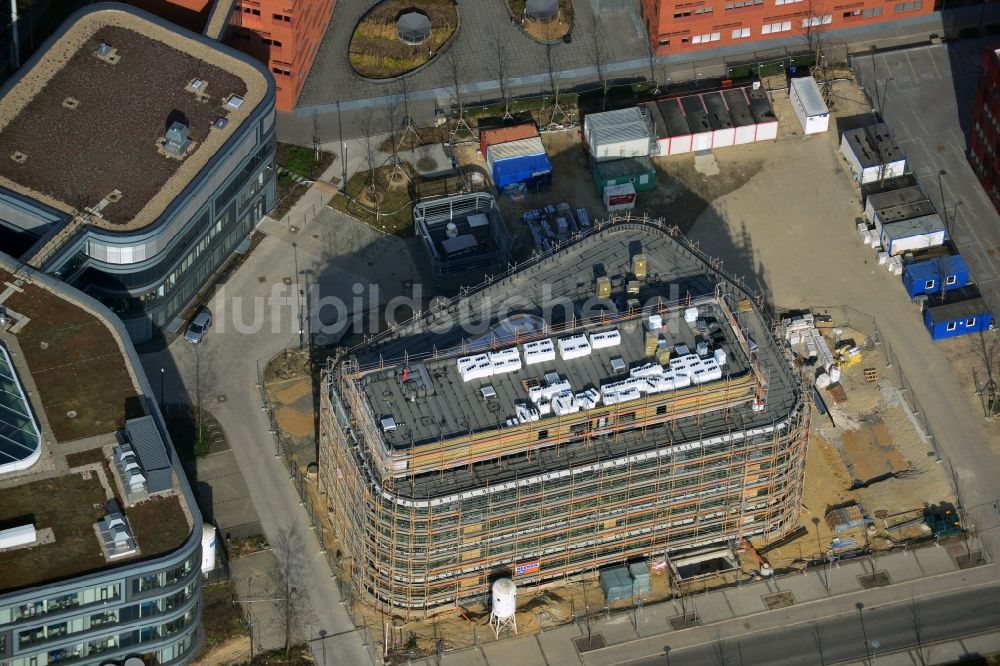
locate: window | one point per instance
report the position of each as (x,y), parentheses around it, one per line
(281,17)
(951,279)
(739,4)
(254,12)
(813,21)
(543,434)
(913,6)
(704,39)
(740,33)
(283,72)
(769,28)
(971,321)
(681,14)
(929,284)
(664,42)
(952,326)
(785,2)
(703,10)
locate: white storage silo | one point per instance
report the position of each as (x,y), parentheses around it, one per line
(504,607)
(208,541)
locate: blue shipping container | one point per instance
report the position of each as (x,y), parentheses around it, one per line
(934,276)
(532,169)
(959,318)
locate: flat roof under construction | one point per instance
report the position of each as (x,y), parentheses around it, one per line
(434,403)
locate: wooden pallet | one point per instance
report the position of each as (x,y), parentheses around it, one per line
(871,375)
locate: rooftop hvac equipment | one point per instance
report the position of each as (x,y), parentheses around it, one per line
(639,266)
(388,424)
(177,139)
(234,102)
(488,392)
(451,230)
(208,542)
(604,287)
(504,610)
(504,360)
(541,10)
(414,27)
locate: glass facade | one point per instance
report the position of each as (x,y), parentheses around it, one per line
(148,611)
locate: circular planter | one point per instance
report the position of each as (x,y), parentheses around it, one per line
(390,40)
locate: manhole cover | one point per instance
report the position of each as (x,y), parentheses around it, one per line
(293,229)
(877,579)
(595,642)
(778,600)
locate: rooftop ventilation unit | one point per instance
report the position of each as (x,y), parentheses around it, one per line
(388,424)
(234,102)
(220,123)
(107,53)
(116,537)
(177,140)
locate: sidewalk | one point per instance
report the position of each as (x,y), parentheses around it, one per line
(638,633)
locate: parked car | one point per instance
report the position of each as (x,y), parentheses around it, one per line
(198,327)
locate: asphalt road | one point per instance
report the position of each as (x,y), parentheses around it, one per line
(904,625)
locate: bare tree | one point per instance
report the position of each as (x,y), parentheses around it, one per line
(651,59)
(917,629)
(812,32)
(409,130)
(393,128)
(558,116)
(599,51)
(201,382)
(455,69)
(291,561)
(986,345)
(500,70)
(370,150)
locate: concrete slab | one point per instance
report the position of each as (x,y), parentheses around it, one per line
(983,644)
(712,607)
(517,650)
(655,618)
(745,601)
(844,578)
(945,653)
(470,656)
(935,560)
(900,566)
(557,644)
(617,628)
(804,588)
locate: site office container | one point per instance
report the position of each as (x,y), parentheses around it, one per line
(515,162)
(637,171)
(618,134)
(497,135)
(808,104)
(935,276)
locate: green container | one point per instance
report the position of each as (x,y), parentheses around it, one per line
(636,170)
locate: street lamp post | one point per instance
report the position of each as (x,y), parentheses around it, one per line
(322,637)
(875,646)
(162,372)
(861,615)
(944,206)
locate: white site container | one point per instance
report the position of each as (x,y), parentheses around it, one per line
(808,104)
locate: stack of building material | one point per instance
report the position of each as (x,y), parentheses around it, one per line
(616,584)
(640,578)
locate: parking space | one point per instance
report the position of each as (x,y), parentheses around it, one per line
(927,95)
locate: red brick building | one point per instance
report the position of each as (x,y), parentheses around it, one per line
(284,35)
(984,137)
(679,26)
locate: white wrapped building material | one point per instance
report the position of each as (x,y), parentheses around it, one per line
(822,381)
(720,356)
(574,346)
(605,339)
(647,370)
(654,322)
(565,403)
(475,367)
(539,351)
(882,257)
(505,360)
(834,374)
(691,315)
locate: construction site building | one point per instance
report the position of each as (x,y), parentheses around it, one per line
(578,432)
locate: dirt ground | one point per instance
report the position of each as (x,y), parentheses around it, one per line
(234,651)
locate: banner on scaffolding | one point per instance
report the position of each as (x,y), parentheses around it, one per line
(527,568)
